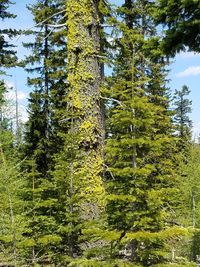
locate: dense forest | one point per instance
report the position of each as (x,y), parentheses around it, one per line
(105,171)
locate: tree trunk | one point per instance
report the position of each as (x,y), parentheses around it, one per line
(84,105)
(193,211)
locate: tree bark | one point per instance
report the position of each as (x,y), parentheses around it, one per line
(84,103)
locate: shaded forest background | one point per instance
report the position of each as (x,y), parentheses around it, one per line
(105,172)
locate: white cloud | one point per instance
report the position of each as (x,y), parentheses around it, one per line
(190,71)
(11,94)
(21,95)
(9,84)
(9,109)
(23,115)
(196,130)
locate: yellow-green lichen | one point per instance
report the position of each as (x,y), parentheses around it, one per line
(83,101)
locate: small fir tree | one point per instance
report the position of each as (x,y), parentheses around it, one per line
(182,121)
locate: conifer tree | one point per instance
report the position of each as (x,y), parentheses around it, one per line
(49,46)
(7,52)
(140,143)
(8,59)
(181,18)
(181,118)
(41,139)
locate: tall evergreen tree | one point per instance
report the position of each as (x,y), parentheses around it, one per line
(48,61)
(8,58)
(41,141)
(140,142)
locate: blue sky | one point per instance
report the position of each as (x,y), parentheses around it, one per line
(185,69)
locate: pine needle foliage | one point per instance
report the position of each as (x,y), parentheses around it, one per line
(7,53)
(47,70)
(181,19)
(140,144)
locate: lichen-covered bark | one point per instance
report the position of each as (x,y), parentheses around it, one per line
(84,78)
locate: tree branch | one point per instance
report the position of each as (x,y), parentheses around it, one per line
(56,25)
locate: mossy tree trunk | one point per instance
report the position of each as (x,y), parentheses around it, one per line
(84,105)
